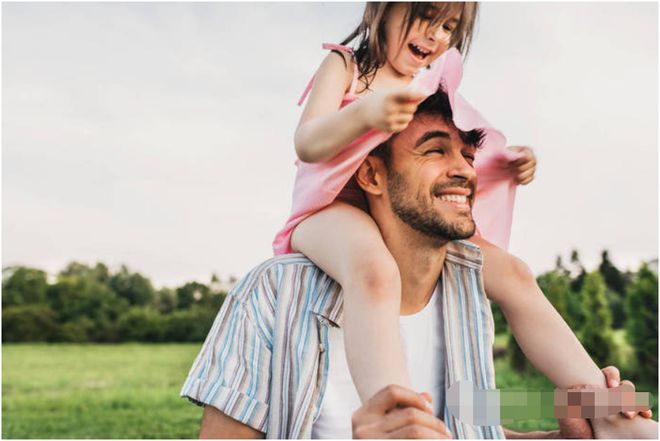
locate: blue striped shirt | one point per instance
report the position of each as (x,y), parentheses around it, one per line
(264,361)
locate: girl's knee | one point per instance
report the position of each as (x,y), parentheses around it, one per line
(378,276)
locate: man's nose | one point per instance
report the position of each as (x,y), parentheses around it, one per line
(461,169)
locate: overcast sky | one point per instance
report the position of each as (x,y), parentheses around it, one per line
(160,134)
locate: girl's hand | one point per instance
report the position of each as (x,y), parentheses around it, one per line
(391,110)
(579,427)
(524,167)
(613,378)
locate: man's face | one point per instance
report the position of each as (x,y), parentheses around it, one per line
(432,181)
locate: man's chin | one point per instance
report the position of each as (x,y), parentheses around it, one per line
(445,231)
(462,228)
(460,234)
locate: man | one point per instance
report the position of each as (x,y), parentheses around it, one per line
(271,364)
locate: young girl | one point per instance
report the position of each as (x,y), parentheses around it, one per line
(358,99)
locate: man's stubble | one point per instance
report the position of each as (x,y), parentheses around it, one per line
(422,216)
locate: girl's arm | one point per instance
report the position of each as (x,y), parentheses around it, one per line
(324,129)
(544,337)
(547,340)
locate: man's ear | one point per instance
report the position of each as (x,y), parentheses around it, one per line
(371,175)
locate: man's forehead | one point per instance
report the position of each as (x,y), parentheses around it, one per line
(424,124)
(430,118)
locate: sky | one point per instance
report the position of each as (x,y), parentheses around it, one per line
(160,135)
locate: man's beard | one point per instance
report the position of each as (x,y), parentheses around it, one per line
(423,217)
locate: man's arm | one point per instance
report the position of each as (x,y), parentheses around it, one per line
(216,383)
(217,425)
(550,434)
(569,428)
(615,427)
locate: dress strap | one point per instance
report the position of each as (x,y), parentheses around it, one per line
(354,83)
(337,47)
(332,47)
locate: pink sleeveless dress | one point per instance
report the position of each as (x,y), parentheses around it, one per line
(318,185)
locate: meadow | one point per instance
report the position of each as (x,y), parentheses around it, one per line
(97,391)
(127,391)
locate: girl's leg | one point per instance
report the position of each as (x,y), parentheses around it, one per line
(345,242)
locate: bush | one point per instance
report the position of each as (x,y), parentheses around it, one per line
(575,310)
(617,306)
(597,332)
(23,286)
(189,325)
(99,273)
(74,297)
(191,293)
(165,300)
(133,287)
(501,327)
(517,358)
(28,323)
(141,324)
(642,323)
(78,331)
(213,301)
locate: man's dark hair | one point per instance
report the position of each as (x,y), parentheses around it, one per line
(436,104)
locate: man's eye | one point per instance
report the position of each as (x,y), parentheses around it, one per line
(470,158)
(448,28)
(440,151)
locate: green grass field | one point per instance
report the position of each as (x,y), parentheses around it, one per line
(97,391)
(128,391)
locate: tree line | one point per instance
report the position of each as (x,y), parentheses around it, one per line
(595,304)
(92,304)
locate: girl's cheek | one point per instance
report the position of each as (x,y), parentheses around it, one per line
(446,39)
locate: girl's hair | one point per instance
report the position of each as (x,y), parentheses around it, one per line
(371,50)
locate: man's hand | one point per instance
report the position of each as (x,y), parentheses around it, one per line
(397,412)
(524,167)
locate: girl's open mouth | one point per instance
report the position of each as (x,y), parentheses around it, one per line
(418,51)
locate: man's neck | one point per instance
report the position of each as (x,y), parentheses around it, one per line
(420,260)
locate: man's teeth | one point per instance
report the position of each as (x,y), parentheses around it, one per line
(453,198)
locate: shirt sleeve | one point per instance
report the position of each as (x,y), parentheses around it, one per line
(232,370)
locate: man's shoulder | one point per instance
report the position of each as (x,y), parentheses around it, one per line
(284,263)
(279,275)
(465,253)
(287,262)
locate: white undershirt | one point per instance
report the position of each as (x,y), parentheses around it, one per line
(422,337)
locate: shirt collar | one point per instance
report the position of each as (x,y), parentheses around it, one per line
(330,304)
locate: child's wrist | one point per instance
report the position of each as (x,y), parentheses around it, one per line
(362,111)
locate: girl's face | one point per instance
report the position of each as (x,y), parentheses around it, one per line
(423,44)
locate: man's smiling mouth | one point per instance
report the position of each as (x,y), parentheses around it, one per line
(454,198)
(455,195)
